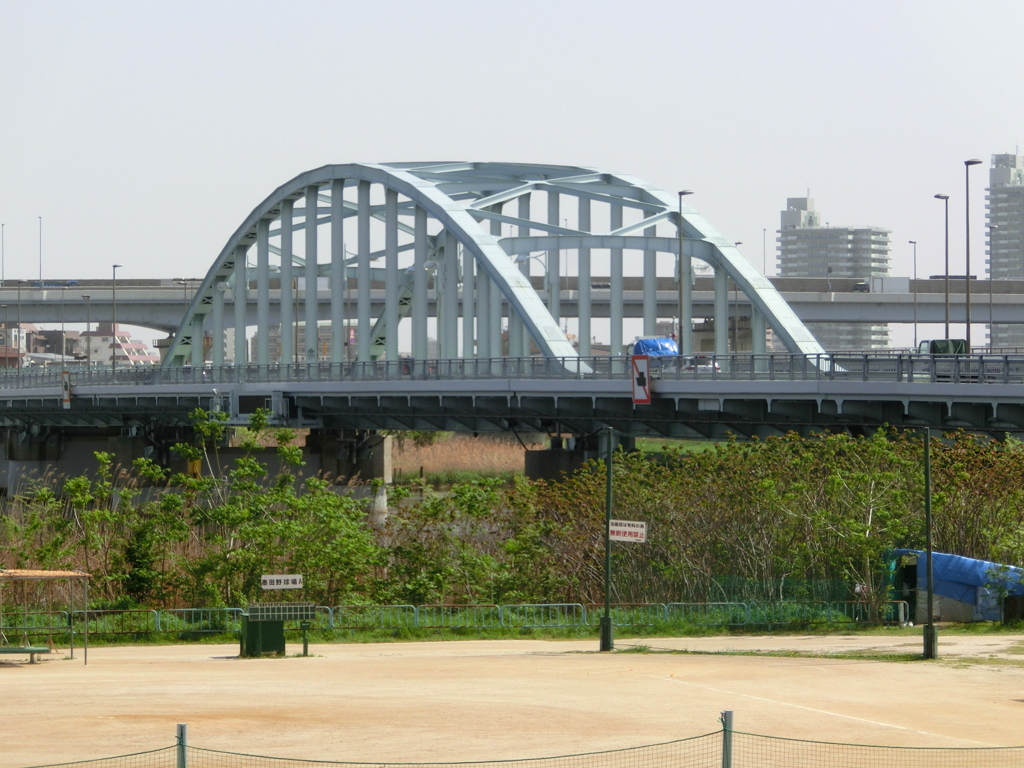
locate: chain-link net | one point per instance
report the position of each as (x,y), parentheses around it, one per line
(712,750)
(697,752)
(753,751)
(154,758)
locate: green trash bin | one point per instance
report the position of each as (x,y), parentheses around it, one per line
(263,626)
(261,637)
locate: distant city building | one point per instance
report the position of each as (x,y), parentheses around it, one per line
(1005,203)
(324,340)
(100,346)
(808,249)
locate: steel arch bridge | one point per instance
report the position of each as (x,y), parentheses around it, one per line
(433,237)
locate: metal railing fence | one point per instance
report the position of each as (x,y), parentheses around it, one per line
(875,366)
(209,621)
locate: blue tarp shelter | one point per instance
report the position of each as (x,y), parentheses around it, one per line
(655,347)
(968,581)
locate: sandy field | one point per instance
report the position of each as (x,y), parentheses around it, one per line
(478,700)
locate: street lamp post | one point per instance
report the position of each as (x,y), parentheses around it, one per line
(685,337)
(113,323)
(40,249)
(991,232)
(914,291)
(931,646)
(88,331)
(945,200)
(967,239)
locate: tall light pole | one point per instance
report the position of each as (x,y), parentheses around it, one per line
(764,251)
(991,233)
(3,259)
(685,337)
(967,239)
(40,249)
(88,331)
(113,323)
(945,200)
(914,291)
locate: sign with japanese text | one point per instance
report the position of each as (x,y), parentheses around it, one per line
(281,581)
(627,530)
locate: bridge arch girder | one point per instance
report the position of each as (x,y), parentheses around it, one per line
(460,198)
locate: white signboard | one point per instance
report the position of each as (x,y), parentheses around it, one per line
(281,581)
(641,380)
(627,530)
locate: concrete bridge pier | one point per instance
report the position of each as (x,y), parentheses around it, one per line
(567,454)
(44,455)
(347,454)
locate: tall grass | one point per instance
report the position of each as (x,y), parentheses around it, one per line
(458,457)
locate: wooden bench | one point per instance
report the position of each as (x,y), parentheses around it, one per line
(31,650)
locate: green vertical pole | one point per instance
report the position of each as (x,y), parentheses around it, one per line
(607,642)
(726,719)
(182,751)
(931,640)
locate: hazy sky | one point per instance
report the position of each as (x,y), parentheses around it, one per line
(144,132)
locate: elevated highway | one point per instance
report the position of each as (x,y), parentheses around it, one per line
(159,304)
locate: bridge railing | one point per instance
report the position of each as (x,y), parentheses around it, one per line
(883,366)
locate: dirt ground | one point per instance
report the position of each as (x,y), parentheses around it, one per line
(479,700)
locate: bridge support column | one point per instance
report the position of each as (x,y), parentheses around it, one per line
(496,298)
(554,270)
(419,290)
(721,311)
(262,292)
(583,281)
(217,349)
(312,299)
(758,332)
(650,283)
(287,308)
(483,313)
(447,299)
(518,343)
(241,297)
(468,306)
(337,281)
(363,326)
(391,275)
(615,310)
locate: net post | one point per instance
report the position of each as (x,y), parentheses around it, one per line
(182,745)
(726,719)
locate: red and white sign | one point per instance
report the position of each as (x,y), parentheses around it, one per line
(641,380)
(65,390)
(627,530)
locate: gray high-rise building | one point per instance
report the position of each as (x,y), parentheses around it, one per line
(1005,203)
(808,249)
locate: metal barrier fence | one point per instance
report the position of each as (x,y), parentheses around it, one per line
(725,748)
(875,366)
(192,621)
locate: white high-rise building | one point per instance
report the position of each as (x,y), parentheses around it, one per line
(1005,203)
(808,249)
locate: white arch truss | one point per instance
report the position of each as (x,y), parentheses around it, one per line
(431,245)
